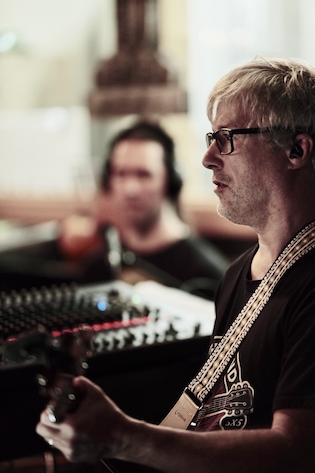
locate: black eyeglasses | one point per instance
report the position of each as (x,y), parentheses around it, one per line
(224,137)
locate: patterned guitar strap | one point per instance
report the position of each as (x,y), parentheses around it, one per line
(194,395)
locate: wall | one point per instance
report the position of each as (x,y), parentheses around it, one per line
(53,64)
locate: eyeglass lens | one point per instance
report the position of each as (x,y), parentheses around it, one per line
(223,139)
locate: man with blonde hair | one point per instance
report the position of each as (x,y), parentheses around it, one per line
(252,405)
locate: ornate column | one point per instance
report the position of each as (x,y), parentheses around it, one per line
(135,80)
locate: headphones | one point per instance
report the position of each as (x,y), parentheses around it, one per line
(146,130)
(174,180)
(296,152)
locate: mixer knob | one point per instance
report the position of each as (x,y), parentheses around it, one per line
(197,329)
(113,295)
(117,342)
(160,337)
(171,332)
(116,313)
(129,339)
(133,312)
(96,345)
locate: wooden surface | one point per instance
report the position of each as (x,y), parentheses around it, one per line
(202,216)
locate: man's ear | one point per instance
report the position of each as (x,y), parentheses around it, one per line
(300,153)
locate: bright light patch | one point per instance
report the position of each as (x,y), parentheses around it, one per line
(101,305)
(136,299)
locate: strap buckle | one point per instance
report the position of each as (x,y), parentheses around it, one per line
(185,409)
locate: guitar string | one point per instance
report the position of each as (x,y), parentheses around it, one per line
(108,467)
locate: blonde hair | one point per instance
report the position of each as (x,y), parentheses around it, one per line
(271,92)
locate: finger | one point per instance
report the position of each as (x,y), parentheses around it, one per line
(46,431)
(85,386)
(45,418)
(87,390)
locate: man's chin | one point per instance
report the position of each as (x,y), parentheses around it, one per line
(134,217)
(230,215)
(132,212)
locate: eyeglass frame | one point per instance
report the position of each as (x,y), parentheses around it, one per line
(235,131)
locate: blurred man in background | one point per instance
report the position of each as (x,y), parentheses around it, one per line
(139,233)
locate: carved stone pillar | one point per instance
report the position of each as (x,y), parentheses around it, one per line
(135,80)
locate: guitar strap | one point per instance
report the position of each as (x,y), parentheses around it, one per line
(191,400)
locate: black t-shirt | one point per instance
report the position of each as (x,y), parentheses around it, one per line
(275,366)
(193,264)
(189,258)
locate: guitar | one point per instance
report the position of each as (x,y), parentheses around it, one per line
(61,358)
(238,399)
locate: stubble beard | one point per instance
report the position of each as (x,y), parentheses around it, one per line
(143,222)
(245,210)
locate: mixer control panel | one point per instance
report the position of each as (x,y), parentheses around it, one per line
(118,315)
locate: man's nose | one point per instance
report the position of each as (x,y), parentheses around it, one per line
(212,158)
(132,185)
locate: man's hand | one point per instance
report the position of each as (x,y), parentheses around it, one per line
(96,430)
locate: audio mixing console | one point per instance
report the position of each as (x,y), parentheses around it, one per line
(146,343)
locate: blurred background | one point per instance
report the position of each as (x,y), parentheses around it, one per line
(64,90)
